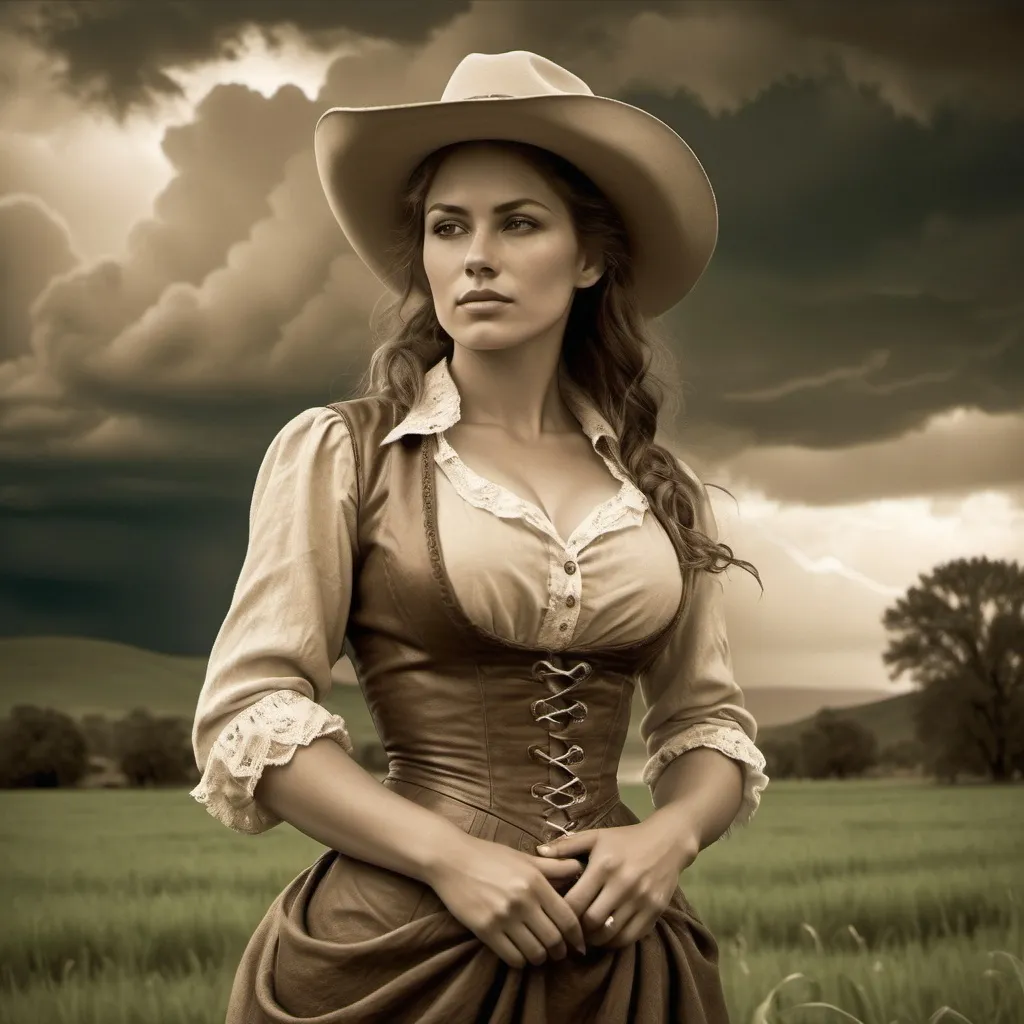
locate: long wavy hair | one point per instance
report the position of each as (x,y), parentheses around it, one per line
(607,349)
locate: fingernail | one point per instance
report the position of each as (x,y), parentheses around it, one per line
(543,849)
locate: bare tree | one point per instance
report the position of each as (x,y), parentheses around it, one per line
(959,633)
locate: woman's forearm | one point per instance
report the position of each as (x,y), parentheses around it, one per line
(700,793)
(326,795)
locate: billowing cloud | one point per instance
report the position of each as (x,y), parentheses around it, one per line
(35,246)
(815,326)
(227,161)
(953,454)
(865,288)
(271,322)
(917,56)
(122,54)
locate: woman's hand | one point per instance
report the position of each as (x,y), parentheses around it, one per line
(631,874)
(508,900)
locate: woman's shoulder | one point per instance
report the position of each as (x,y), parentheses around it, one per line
(369,416)
(358,418)
(309,441)
(314,425)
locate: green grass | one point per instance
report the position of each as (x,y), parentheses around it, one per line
(131,906)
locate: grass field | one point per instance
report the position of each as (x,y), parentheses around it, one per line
(889,898)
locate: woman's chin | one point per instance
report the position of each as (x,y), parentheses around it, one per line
(486,341)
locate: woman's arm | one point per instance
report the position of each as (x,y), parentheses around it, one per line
(323,793)
(268,748)
(699,794)
(697,721)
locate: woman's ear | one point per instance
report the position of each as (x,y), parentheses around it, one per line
(591,269)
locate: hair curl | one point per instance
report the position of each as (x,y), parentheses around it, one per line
(607,348)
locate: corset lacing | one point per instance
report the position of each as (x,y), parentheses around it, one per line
(559,798)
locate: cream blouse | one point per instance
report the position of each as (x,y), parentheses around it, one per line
(614,580)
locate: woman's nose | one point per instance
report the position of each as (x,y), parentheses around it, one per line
(480,254)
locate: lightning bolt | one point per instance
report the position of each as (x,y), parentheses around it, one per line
(828,564)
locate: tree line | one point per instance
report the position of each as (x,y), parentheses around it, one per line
(44,748)
(958,633)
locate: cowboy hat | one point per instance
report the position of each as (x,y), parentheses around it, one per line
(364,156)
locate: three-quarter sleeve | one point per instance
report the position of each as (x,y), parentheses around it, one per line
(270,665)
(690,693)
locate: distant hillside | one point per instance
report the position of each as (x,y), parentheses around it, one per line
(890,719)
(79,675)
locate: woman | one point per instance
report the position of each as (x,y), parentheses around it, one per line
(493,534)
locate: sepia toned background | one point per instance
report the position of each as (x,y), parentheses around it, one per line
(174,288)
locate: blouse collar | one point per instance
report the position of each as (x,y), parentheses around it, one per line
(440,407)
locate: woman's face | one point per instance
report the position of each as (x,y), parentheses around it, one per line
(478,236)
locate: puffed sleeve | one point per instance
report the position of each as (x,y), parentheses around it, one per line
(270,665)
(690,694)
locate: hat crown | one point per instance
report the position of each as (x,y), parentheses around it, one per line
(511,75)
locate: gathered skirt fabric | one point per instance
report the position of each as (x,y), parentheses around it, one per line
(348,942)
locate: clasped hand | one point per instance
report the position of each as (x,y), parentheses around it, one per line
(631,874)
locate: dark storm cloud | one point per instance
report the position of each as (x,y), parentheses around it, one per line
(118,51)
(831,371)
(158,574)
(866,278)
(868,269)
(940,36)
(812,176)
(838,308)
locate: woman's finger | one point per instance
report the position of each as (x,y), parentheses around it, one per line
(583,893)
(635,928)
(527,943)
(609,901)
(610,937)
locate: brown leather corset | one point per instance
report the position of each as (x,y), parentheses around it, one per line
(530,735)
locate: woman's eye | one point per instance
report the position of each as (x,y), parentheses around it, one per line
(438,228)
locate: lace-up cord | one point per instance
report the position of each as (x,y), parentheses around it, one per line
(546,710)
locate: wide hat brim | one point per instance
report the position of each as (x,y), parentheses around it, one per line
(364,156)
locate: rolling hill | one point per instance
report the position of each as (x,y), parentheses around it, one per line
(78,675)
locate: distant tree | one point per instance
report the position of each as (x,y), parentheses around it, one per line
(98,731)
(154,751)
(959,634)
(837,747)
(954,738)
(41,748)
(905,753)
(782,758)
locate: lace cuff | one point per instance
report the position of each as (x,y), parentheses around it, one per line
(267,732)
(731,741)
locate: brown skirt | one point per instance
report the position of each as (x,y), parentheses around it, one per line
(348,941)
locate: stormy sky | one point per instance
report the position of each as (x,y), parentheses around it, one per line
(174,288)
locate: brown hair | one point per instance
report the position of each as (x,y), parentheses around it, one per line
(607,347)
